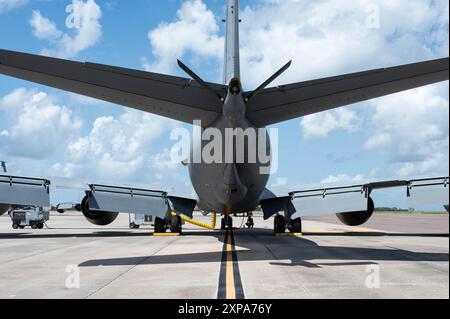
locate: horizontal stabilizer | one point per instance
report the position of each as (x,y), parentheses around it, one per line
(287,102)
(169,96)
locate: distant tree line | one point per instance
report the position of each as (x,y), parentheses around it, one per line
(391,209)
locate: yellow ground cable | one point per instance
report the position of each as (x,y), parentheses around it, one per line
(197,223)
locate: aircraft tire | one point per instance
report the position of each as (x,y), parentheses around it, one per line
(160,225)
(279,224)
(296,225)
(175,224)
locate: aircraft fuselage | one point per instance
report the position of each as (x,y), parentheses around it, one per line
(234,183)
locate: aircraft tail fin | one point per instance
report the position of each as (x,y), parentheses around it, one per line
(232,56)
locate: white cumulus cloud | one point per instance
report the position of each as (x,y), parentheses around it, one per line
(378,141)
(343,180)
(280,182)
(323,38)
(7,5)
(43,28)
(85,21)
(320,125)
(332,37)
(37,125)
(413,129)
(117,146)
(195,30)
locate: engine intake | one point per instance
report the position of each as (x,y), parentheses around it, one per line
(99,218)
(357,218)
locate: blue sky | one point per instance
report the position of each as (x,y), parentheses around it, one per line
(48,132)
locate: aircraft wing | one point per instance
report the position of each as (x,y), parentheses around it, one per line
(355,198)
(173,97)
(286,102)
(113,199)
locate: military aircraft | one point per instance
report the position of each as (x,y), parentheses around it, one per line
(226,186)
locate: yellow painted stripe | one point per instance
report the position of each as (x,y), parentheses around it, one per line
(166,234)
(231,291)
(289,234)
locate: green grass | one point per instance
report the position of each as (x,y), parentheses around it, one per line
(411,213)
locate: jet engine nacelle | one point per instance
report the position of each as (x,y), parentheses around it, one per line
(357,218)
(98,218)
(4,208)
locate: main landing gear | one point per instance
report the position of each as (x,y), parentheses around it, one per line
(174,223)
(227,222)
(281,225)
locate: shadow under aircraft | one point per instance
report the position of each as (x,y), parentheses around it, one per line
(300,251)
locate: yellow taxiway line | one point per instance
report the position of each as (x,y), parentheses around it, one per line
(288,234)
(166,234)
(231,291)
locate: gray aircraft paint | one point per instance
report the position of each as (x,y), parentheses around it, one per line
(3,207)
(231,187)
(232,68)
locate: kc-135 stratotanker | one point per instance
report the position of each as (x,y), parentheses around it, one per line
(225,187)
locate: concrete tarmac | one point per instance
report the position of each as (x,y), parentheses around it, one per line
(393,256)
